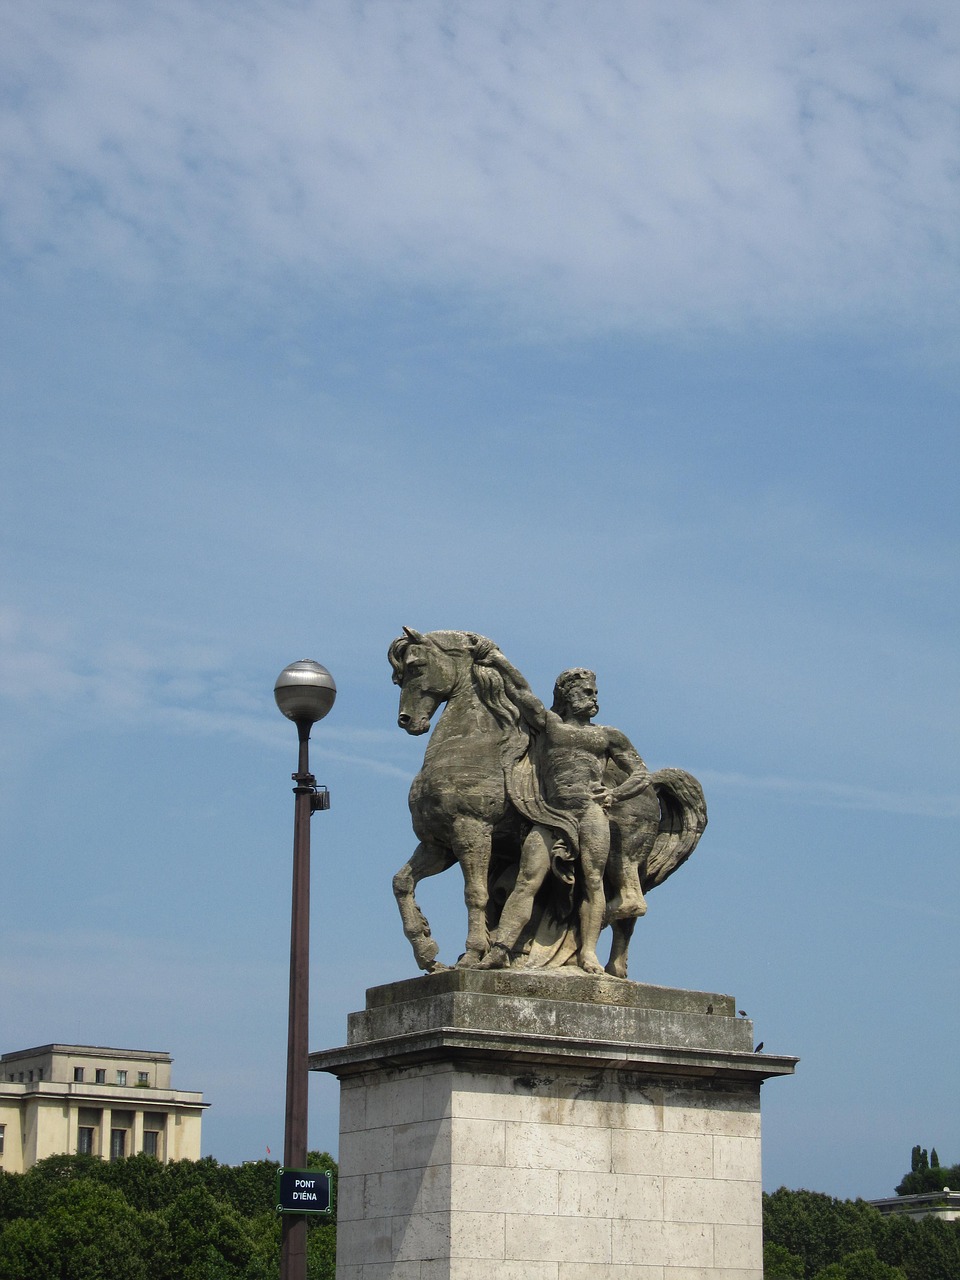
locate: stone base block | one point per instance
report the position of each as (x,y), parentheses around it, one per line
(549,1127)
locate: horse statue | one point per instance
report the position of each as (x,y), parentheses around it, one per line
(470,804)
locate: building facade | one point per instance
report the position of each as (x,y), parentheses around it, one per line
(943,1204)
(74,1099)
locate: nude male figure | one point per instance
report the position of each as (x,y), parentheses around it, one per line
(575,753)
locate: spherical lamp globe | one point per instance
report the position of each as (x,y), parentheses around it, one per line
(305,691)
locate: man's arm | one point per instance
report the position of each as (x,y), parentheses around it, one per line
(517,689)
(622,751)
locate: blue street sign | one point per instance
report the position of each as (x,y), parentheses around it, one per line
(304,1191)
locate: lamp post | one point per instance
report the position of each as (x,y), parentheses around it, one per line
(305,692)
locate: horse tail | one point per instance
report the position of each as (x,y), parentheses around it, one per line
(683,817)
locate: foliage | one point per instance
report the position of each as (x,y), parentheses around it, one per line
(80,1218)
(88,1232)
(851,1240)
(818,1229)
(928,1174)
(780,1264)
(862,1265)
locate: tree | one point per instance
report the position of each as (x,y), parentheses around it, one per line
(87,1232)
(926,1249)
(780,1264)
(28,1249)
(927,1174)
(210,1240)
(81,1218)
(819,1229)
(861,1265)
(850,1240)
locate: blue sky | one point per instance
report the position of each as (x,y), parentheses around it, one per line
(623,334)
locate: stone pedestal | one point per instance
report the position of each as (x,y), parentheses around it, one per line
(548,1126)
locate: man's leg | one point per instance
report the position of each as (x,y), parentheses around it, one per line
(594,849)
(518,908)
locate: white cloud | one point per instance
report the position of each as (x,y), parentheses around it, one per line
(650,164)
(50,669)
(836,795)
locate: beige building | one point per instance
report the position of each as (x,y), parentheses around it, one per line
(943,1204)
(68,1099)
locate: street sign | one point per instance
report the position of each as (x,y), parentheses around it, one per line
(304,1191)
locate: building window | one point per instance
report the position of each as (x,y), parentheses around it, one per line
(84,1141)
(143,1077)
(30,1077)
(118,1144)
(101,1075)
(2,1131)
(121,1077)
(40,1073)
(151,1143)
(78,1075)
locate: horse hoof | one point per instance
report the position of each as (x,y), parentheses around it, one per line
(425,952)
(498,957)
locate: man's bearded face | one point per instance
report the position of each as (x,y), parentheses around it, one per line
(581,696)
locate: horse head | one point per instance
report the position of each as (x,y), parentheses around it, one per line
(427,668)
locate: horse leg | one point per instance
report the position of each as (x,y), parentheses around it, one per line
(427,860)
(630,843)
(622,932)
(472,844)
(626,901)
(625,904)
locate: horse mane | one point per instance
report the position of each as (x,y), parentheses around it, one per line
(487,681)
(395,656)
(493,694)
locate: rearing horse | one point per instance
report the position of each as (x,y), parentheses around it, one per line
(458,800)
(465,804)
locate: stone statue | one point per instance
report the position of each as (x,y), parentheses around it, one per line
(557,824)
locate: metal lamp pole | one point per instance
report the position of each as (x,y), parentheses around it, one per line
(305,692)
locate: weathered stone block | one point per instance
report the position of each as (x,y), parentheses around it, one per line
(636,1151)
(482,1269)
(557,1238)
(370,1151)
(554,1146)
(493,1126)
(610,1195)
(692,1152)
(537,1190)
(397,1101)
(735,1158)
(737,1248)
(603,1271)
(418,1146)
(353,1107)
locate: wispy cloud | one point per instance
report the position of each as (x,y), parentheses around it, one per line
(643,164)
(835,795)
(50,672)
